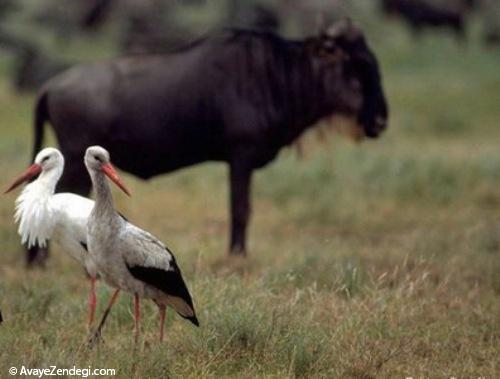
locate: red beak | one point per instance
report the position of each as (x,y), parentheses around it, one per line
(30,173)
(110,172)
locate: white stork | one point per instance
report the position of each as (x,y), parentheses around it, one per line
(128,257)
(43,215)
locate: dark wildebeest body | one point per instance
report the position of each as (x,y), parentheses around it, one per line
(237,97)
(420,14)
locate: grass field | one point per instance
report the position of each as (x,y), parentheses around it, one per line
(377,260)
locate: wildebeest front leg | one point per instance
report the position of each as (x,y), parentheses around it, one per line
(240,178)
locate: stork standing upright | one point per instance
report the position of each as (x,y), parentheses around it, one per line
(128,257)
(43,215)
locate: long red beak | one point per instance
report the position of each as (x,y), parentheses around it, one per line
(110,172)
(30,173)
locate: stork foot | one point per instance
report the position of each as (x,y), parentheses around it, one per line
(96,337)
(94,340)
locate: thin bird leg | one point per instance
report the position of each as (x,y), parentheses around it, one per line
(97,335)
(92,302)
(137,316)
(162,320)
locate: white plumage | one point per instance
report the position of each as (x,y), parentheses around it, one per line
(43,215)
(35,216)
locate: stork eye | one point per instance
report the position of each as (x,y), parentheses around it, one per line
(98,159)
(45,159)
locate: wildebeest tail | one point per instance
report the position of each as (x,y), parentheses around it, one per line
(41,115)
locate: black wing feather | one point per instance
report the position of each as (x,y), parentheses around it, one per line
(170,282)
(1,318)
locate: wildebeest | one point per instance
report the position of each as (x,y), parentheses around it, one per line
(237,96)
(420,14)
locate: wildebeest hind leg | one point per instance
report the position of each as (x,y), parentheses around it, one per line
(240,178)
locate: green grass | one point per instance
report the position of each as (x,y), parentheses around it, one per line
(378,260)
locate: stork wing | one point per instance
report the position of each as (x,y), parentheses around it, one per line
(149,260)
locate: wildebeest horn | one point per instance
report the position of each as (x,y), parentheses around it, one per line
(344,28)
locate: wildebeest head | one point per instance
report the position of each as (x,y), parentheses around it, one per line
(351,75)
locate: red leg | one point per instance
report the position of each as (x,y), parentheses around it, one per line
(108,308)
(92,302)
(137,317)
(96,336)
(162,320)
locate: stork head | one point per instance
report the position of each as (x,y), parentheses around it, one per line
(97,160)
(48,163)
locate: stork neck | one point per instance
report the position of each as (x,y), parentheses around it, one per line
(47,181)
(104,198)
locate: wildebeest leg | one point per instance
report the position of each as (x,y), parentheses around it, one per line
(75,179)
(240,178)
(36,256)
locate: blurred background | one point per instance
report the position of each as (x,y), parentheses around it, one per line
(41,38)
(382,257)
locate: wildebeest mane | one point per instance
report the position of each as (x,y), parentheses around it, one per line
(276,75)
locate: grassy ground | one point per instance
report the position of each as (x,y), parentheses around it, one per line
(378,260)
